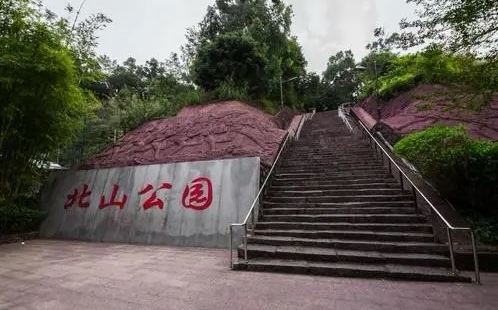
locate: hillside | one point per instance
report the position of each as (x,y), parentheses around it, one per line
(427,105)
(215,131)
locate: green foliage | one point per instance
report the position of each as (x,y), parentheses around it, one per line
(463,73)
(340,79)
(42,105)
(310,88)
(230,91)
(133,94)
(15,219)
(393,84)
(232,60)
(269,106)
(485,227)
(458,25)
(375,64)
(464,170)
(246,44)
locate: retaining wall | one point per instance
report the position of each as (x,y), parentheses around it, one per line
(186,204)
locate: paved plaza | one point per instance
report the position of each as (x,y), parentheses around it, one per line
(47,274)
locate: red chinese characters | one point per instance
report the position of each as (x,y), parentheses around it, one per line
(153,201)
(112,201)
(75,196)
(198,195)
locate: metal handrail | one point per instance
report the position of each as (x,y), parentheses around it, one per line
(416,190)
(250,213)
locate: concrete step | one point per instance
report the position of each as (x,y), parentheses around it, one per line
(343,153)
(341,210)
(338,255)
(269,204)
(330,173)
(331,170)
(329,167)
(291,187)
(339,149)
(332,181)
(349,244)
(396,272)
(340,198)
(348,235)
(379,227)
(337,178)
(317,158)
(348,218)
(335,192)
(320,161)
(319,147)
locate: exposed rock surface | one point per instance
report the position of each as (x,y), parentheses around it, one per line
(215,131)
(425,106)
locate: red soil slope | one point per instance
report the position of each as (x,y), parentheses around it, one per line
(425,106)
(220,130)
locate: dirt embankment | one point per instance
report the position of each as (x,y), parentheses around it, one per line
(215,131)
(427,105)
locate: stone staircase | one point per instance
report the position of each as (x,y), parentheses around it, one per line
(333,209)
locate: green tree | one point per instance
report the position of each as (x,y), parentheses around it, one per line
(310,89)
(340,78)
(376,64)
(42,105)
(232,59)
(459,25)
(267,25)
(135,94)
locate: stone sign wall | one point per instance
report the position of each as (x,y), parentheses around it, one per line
(188,204)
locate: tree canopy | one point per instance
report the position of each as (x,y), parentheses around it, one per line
(42,104)
(341,76)
(261,26)
(458,25)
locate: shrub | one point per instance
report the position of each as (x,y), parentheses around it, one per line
(269,106)
(466,73)
(230,91)
(463,169)
(393,84)
(15,219)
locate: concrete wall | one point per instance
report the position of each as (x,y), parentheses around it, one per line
(190,215)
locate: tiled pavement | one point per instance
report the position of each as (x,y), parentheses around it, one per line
(45,274)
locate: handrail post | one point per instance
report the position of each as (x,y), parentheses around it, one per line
(450,245)
(476,258)
(231,246)
(401,180)
(252,221)
(245,243)
(414,192)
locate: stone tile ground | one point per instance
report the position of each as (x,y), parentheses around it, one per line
(45,274)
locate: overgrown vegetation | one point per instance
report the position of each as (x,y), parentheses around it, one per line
(43,104)
(243,49)
(463,73)
(463,169)
(19,219)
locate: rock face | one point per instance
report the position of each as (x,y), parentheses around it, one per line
(427,105)
(215,131)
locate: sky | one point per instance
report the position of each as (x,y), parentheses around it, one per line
(155,28)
